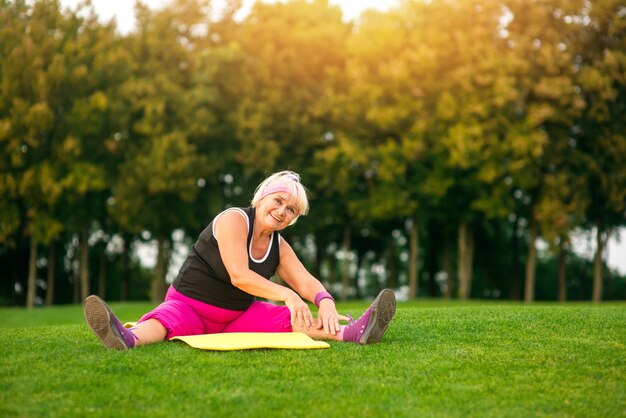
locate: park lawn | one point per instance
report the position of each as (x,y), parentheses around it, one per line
(437,359)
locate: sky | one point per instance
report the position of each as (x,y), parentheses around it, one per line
(122,11)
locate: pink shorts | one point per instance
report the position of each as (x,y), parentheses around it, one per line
(182,315)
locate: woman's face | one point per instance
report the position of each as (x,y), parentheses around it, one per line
(277,210)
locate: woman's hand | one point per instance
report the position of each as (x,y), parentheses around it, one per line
(301,317)
(328,317)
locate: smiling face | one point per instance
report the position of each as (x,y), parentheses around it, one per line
(277,210)
(284,181)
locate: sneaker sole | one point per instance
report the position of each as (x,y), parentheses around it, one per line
(383,310)
(99,320)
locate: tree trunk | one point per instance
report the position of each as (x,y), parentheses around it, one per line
(562,271)
(447,266)
(125,273)
(159,286)
(515,291)
(413,259)
(597,266)
(102,283)
(466,258)
(332,269)
(51,272)
(433,235)
(84,262)
(531,262)
(16,262)
(31,290)
(392,265)
(359,264)
(319,257)
(76,287)
(345,265)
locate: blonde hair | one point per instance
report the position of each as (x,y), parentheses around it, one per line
(292,181)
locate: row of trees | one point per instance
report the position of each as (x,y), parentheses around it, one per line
(439,140)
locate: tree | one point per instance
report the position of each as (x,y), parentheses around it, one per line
(414,118)
(292,52)
(601,64)
(543,44)
(29,121)
(293,57)
(159,178)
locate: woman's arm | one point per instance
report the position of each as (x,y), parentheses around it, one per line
(231,231)
(293,272)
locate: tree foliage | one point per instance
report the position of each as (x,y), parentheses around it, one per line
(441,141)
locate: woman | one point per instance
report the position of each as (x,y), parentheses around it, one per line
(230,265)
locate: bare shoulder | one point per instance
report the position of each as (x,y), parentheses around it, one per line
(284,246)
(231,220)
(235,215)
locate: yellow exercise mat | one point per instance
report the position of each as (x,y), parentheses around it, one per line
(251,340)
(248,340)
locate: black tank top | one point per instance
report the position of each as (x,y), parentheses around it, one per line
(204,277)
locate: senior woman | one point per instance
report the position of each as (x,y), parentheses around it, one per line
(229,266)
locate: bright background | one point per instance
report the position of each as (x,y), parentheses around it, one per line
(122,12)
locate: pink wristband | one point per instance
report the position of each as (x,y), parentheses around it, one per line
(322,295)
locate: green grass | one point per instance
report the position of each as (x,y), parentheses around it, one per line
(437,360)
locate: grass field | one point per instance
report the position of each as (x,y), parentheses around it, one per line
(437,360)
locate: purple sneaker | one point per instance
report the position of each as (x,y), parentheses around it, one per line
(371,326)
(106,326)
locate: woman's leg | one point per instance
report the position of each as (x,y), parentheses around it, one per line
(369,328)
(169,319)
(106,326)
(261,317)
(267,317)
(317,332)
(149,331)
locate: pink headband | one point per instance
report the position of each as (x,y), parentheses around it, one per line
(276,188)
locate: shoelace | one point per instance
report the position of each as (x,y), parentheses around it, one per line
(352,322)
